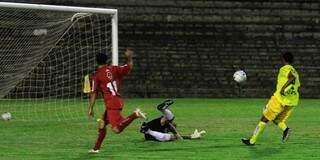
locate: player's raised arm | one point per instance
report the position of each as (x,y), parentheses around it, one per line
(126,69)
(129,54)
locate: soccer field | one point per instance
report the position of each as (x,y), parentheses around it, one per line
(226,121)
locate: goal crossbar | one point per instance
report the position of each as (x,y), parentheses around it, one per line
(58,8)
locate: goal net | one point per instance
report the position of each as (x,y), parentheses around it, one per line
(45,52)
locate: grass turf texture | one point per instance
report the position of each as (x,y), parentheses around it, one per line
(69,135)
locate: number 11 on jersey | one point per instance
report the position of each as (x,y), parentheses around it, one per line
(113,87)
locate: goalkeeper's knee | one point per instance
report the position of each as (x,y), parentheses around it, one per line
(101,123)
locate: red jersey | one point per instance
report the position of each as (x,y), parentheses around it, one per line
(107,79)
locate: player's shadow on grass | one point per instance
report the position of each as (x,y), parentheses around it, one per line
(86,156)
(151,146)
(260,152)
(189,148)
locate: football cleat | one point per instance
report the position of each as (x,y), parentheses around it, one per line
(286,134)
(144,127)
(165,104)
(246,141)
(140,114)
(94,151)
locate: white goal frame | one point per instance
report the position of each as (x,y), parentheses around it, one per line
(113,12)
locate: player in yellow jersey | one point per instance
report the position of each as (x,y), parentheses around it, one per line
(282,103)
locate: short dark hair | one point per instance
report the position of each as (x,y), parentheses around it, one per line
(101,58)
(288,57)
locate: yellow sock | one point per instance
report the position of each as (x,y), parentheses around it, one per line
(282,125)
(259,130)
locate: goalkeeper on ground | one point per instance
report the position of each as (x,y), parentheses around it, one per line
(282,103)
(163,128)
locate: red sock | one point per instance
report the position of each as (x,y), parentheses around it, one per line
(124,123)
(102,134)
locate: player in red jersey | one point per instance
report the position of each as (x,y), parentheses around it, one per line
(107,80)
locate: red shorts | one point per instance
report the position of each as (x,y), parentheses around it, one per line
(112,114)
(113,102)
(112,117)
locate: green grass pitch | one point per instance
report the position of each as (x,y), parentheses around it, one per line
(61,130)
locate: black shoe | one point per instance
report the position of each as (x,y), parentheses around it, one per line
(286,134)
(144,127)
(165,104)
(246,141)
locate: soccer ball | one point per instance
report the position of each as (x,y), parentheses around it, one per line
(6,116)
(240,76)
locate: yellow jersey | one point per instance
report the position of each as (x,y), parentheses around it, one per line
(291,92)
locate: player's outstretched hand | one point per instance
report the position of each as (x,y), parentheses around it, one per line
(129,52)
(197,135)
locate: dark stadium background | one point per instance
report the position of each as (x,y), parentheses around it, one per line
(190,48)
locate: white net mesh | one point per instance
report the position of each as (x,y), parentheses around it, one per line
(44,57)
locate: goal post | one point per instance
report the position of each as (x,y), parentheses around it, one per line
(45,52)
